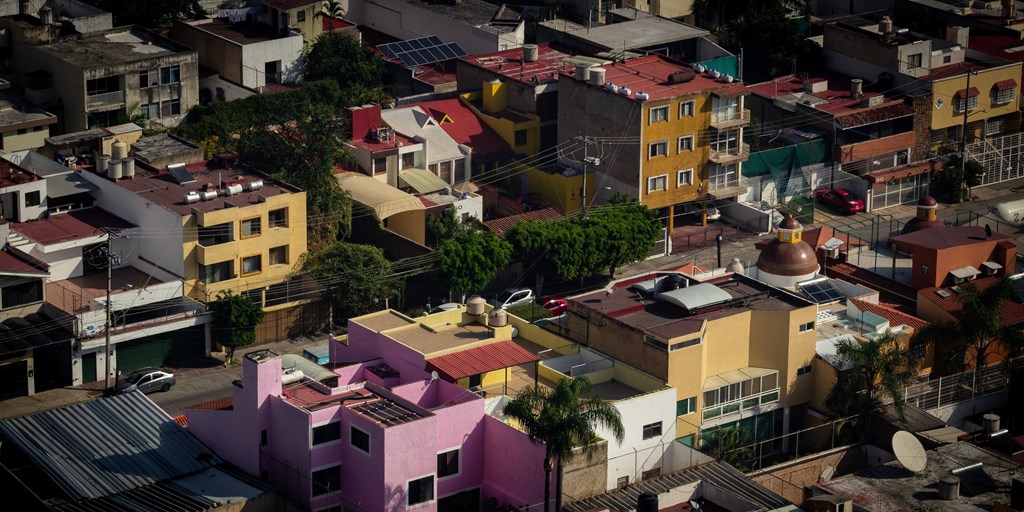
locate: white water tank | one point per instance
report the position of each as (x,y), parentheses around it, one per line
(475,305)
(102,162)
(129,167)
(114,170)
(191,197)
(292,377)
(949,488)
(597,76)
(233,189)
(642,96)
(207,195)
(120,150)
(582,72)
(625,91)
(531,53)
(254,185)
(498,318)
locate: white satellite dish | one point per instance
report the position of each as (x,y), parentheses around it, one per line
(908,451)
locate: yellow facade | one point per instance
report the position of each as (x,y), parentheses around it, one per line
(292,235)
(678,123)
(944,113)
(562,192)
(311,25)
(520,130)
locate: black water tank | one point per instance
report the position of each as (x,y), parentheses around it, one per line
(647,502)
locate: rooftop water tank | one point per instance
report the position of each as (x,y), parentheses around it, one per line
(475,305)
(114,169)
(498,318)
(129,167)
(191,197)
(120,150)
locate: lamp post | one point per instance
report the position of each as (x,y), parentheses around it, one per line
(718,242)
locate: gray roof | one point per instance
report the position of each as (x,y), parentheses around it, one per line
(107,446)
(696,296)
(472,12)
(60,181)
(716,473)
(17,113)
(118,46)
(638,33)
(156,147)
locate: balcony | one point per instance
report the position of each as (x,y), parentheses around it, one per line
(725,188)
(105,101)
(725,121)
(731,155)
(208,255)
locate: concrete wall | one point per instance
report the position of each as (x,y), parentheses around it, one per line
(791,479)
(288,50)
(232,91)
(34,138)
(514,466)
(584,476)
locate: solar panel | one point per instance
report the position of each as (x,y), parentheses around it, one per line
(180,174)
(434,41)
(416,44)
(822,292)
(456,49)
(387,50)
(422,51)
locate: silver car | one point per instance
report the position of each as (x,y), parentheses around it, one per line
(147,380)
(513,297)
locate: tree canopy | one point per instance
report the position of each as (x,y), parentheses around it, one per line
(235,318)
(772,44)
(869,372)
(563,419)
(469,259)
(341,58)
(357,278)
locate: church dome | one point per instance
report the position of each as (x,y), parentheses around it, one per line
(788,255)
(926,218)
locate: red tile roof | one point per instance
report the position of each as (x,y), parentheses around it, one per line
(1003,85)
(477,360)
(500,226)
(838,97)
(14,261)
(650,75)
(952,70)
(973,91)
(549,65)
(338,23)
(64,227)
(181,420)
(891,314)
(1013,309)
(224,403)
(463,126)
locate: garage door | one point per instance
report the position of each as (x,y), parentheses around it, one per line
(13,379)
(177,349)
(89,367)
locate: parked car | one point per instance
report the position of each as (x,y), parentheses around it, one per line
(556,306)
(147,380)
(713,214)
(840,199)
(513,297)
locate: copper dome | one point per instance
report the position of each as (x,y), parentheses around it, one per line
(790,223)
(927,201)
(788,259)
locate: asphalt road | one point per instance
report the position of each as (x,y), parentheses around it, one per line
(197,386)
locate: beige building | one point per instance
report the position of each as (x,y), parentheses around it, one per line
(301,15)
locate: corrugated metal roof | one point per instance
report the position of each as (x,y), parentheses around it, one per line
(477,360)
(717,473)
(422,180)
(107,446)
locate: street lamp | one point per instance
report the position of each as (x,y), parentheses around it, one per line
(718,242)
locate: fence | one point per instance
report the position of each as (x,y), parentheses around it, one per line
(952,389)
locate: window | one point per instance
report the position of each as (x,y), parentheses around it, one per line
(445,170)
(947,59)
(150,111)
(902,158)
(326,480)
(476,381)
(170,74)
(279,255)
(741,396)
(170,108)
(686,109)
(255,295)
(994,126)
(804,370)
(448,463)
(809,326)
(684,178)
(21,294)
(685,143)
(652,430)
(327,433)
(971,102)
(148,79)
(250,227)
(657,149)
(300,16)
(659,114)
(520,137)
(622,482)
(421,491)
(359,439)
(102,85)
(22,131)
(32,198)
(684,407)
(215,273)
(1002,97)
(460,170)
(278,218)
(656,183)
(263,437)
(380,165)
(215,235)
(251,264)
(914,61)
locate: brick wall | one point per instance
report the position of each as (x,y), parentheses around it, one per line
(794,480)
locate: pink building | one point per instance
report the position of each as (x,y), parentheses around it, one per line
(368,436)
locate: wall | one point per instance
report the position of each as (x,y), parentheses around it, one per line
(635,454)
(217,53)
(875,147)
(34,138)
(286,49)
(983,80)
(669,131)
(584,475)
(231,90)
(409,455)
(791,479)
(513,467)
(86,18)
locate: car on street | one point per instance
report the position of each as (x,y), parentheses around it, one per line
(713,214)
(840,199)
(556,306)
(513,297)
(147,380)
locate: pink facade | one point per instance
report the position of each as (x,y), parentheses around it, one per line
(380,447)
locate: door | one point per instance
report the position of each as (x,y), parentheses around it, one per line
(146,384)
(89,367)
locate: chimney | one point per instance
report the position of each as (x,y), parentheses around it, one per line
(885,26)
(957,34)
(363,120)
(856,88)
(1008,6)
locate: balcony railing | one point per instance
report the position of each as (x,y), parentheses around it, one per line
(715,185)
(728,120)
(730,155)
(107,99)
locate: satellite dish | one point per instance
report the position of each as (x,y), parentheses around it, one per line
(827,475)
(908,451)
(434,375)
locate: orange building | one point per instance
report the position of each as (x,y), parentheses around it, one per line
(946,256)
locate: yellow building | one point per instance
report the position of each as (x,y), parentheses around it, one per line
(559,186)
(519,129)
(737,351)
(299,14)
(667,134)
(989,95)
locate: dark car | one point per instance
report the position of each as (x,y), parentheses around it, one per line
(840,199)
(147,380)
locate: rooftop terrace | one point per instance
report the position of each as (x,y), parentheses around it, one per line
(371,402)
(112,47)
(650,74)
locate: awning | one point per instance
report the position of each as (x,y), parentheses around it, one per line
(965,272)
(422,180)
(992,266)
(384,199)
(973,91)
(735,377)
(466,187)
(477,360)
(307,367)
(1004,85)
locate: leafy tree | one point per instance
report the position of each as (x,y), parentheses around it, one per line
(978,332)
(333,10)
(771,43)
(343,59)
(445,226)
(735,445)
(235,318)
(151,13)
(470,259)
(563,419)
(357,277)
(625,231)
(955,180)
(715,14)
(868,372)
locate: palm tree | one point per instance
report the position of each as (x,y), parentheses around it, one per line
(563,419)
(978,329)
(333,9)
(870,371)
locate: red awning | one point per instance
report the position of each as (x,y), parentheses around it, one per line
(973,91)
(1004,85)
(477,360)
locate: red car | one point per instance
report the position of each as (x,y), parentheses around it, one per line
(840,199)
(556,306)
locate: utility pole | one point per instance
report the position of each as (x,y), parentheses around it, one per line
(967,99)
(587,160)
(111,261)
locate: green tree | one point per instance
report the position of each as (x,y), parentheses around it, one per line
(235,318)
(869,372)
(445,226)
(559,250)
(625,231)
(735,445)
(771,42)
(978,331)
(563,419)
(357,278)
(333,10)
(343,59)
(470,259)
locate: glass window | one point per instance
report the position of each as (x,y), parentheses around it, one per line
(520,138)
(657,149)
(971,102)
(685,143)
(359,439)
(300,16)
(150,111)
(421,491)
(804,370)
(326,480)
(279,255)
(445,170)
(659,114)
(170,74)
(215,273)
(652,430)
(769,382)
(251,227)
(684,407)
(380,165)
(995,126)
(656,183)
(914,61)
(21,294)
(170,108)
(684,178)
(278,218)
(686,109)
(32,198)
(327,433)
(252,264)
(809,326)
(215,235)
(448,463)
(149,79)
(1004,96)
(460,170)
(710,398)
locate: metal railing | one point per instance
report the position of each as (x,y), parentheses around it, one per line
(105,99)
(730,119)
(741,152)
(715,185)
